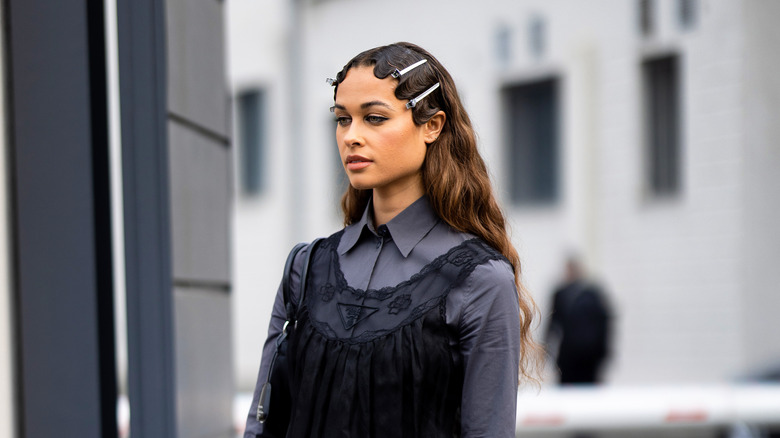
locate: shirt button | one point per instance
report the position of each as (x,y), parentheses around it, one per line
(378,242)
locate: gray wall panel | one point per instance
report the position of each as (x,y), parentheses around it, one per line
(197,87)
(201,195)
(204,378)
(200,206)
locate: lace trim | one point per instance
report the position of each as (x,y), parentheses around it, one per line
(388,291)
(466,255)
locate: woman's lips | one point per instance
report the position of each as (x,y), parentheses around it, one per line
(356,162)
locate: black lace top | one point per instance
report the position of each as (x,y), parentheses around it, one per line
(377,363)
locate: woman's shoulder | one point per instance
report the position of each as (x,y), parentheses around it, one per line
(489,290)
(494,272)
(488,293)
(300,252)
(491,269)
(466,248)
(320,243)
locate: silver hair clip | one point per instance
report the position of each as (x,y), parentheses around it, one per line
(397,74)
(412,103)
(330,81)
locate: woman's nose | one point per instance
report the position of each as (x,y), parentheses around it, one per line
(353,136)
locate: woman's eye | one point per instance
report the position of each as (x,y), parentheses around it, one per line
(375,119)
(343,121)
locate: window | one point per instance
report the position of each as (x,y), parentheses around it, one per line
(503,39)
(687,13)
(646,15)
(252,143)
(531,121)
(537,36)
(662,124)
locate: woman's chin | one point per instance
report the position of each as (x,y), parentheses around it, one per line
(360,185)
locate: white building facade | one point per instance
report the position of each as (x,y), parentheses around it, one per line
(650,150)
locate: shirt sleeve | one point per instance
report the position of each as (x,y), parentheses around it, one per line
(278,317)
(489,329)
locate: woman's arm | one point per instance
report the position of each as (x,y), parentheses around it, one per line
(278,317)
(490,347)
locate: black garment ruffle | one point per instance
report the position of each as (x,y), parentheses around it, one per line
(377,363)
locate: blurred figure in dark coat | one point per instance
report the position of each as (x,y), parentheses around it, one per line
(578,332)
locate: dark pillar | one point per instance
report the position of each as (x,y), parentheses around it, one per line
(61,218)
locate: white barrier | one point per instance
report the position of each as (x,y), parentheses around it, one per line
(605,408)
(615,407)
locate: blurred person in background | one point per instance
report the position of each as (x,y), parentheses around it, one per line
(579,329)
(415,322)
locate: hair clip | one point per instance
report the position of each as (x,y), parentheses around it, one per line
(397,74)
(332,109)
(412,103)
(330,81)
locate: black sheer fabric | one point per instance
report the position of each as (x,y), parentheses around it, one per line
(377,363)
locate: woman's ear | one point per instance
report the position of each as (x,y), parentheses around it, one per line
(434,126)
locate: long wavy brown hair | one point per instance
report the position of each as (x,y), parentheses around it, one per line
(454,175)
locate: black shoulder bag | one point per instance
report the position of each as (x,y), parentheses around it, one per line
(275,424)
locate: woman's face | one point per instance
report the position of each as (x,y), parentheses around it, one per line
(381,148)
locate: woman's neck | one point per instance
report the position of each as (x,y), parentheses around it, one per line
(387,206)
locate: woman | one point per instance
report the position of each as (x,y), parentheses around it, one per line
(414,322)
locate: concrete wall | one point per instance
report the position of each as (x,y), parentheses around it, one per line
(688,276)
(200,152)
(673,264)
(761,192)
(670,263)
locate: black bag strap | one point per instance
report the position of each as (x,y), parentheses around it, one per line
(292,313)
(290,308)
(286,277)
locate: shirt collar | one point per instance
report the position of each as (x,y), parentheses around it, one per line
(407,229)
(353,231)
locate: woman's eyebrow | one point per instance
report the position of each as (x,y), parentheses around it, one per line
(363,105)
(375,103)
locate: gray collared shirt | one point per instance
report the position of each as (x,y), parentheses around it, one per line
(483,310)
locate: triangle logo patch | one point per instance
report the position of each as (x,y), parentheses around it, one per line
(352,314)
